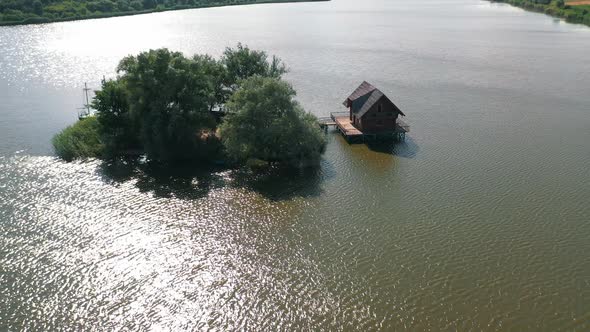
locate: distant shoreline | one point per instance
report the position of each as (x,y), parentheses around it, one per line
(574,11)
(45,20)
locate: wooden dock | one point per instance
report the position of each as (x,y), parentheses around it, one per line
(345,126)
(326,122)
(341,121)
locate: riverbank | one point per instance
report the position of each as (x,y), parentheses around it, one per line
(62,11)
(572,12)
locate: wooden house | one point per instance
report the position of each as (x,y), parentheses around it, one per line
(371,111)
(370,114)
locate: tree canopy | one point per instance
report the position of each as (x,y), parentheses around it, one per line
(118,132)
(265,122)
(167,106)
(169,97)
(242,62)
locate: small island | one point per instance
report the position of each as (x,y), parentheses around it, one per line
(575,11)
(175,109)
(18,12)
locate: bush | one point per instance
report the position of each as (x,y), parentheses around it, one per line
(266,123)
(80,140)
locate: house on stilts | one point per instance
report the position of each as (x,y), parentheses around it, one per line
(370,116)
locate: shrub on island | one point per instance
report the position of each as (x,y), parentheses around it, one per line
(80,140)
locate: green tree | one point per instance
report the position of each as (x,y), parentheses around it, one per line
(215,73)
(169,99)
(242,62)
(117,130)
(149,4)
(38,7)
(136,5)
(265,122)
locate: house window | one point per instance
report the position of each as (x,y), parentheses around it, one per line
(379,108)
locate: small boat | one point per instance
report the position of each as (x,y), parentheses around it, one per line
(86,110)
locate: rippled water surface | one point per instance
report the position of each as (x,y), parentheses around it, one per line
(480,220)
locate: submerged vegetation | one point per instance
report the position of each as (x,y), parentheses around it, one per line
(558,8)
(172,109)
(14,12)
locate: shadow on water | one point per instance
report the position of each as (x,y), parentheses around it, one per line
(279,184)
(195,181)
(405,149)
(184,182)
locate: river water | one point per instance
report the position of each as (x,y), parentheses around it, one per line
(479,221)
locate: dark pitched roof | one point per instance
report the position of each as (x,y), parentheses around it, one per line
(373,98)
(364,97)
(362,90)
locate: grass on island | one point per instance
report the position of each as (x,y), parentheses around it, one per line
(577,11)
(17,12)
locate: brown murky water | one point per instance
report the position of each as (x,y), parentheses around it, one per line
(479,221)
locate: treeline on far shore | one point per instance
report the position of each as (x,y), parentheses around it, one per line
(557,8)
(15,12)
(175,109)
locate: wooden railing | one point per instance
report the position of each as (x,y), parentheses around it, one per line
(334,115)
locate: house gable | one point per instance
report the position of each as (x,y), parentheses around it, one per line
(381,116)
(365,97)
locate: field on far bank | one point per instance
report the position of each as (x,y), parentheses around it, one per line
(578,2)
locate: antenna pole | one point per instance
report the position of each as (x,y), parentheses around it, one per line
(87,101)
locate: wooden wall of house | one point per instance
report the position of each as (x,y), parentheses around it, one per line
(353,119)
(381,117)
